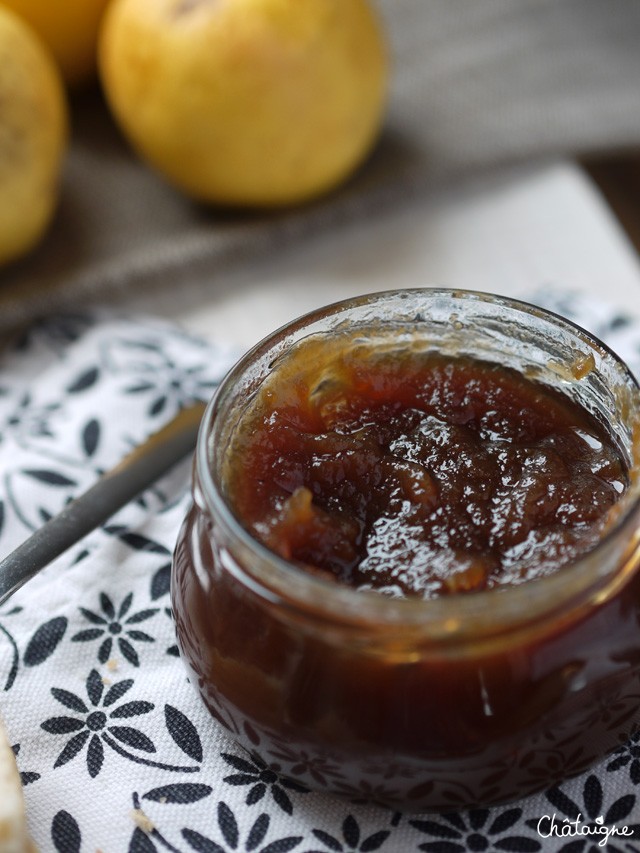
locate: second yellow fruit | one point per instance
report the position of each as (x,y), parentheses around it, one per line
(246,102)
(33,136)
(70,30)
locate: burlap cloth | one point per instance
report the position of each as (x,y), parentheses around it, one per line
(476,84)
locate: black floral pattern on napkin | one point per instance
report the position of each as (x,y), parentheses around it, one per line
(115,750)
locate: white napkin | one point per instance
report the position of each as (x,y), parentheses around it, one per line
(116,750)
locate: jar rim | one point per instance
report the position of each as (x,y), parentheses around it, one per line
(458,614)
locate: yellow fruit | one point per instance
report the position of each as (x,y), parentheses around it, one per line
(13,824)
(69,28)
(33,127)
(246,102)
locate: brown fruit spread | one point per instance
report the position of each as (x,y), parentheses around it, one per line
(360,455)
(418,474)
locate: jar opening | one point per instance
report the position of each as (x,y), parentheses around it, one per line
(533,341)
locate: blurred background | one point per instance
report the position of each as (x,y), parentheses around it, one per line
(230,165)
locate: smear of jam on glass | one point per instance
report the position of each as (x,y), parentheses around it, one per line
(418,474)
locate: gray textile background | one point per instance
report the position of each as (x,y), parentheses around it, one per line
(477,83)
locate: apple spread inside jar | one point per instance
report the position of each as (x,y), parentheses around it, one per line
(413,473)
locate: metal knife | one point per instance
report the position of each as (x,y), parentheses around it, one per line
(137,471)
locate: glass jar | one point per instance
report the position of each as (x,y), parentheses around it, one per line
(418,704)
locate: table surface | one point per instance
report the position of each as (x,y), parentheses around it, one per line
(619,180)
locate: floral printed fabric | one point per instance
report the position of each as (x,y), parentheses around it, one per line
(115,750)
